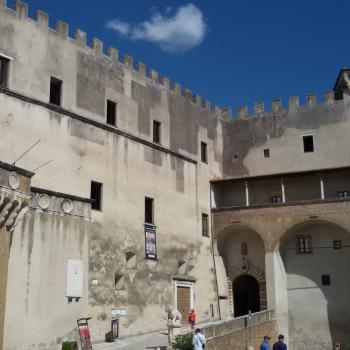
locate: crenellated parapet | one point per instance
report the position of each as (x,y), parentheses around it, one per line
(276,105)
(97,49)
(111,54)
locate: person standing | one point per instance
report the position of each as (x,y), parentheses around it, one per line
(192,318)
(198,340)
(265,344)
(279,345)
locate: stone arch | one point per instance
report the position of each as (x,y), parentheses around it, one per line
(309,300)
(247,269)
(304,222)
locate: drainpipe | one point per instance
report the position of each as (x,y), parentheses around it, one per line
(212,250)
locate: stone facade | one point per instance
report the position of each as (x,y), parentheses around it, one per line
(56,94)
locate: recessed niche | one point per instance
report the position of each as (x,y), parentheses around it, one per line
(130,260)
(182,267)
(119,281)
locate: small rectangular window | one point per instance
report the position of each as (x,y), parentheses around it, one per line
(149,210)
(343,194)
(308,143)
(266,153)
(205,228)
(304,244)
(111,113)
(204,155)
(326,280)
(55,91)
(96,195)
(4,71)
(276,199)
(156,131)
(337,244)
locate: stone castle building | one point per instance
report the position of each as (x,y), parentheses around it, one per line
(121,192)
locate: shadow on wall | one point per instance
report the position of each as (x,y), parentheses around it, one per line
(316,256)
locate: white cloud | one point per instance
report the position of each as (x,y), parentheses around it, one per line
(173,31)
(118,26)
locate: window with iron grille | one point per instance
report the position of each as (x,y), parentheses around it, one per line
(343,194)
(205,228)
(276,199)
(304,244)
(337,244)
(149,210)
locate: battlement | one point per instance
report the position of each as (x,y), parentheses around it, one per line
(97,48)
(276,105)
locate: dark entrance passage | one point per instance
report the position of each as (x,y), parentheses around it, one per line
(246,295)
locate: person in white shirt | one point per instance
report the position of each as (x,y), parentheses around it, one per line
(198,340)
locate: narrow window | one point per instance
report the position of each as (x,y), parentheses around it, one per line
(205,230)
(343,194)
(111,113)
(156,131)
(149,208)
(212,311)
(244,248)
(337,244)
(276,199)
(266,153)
(304,244)
(204,155)
(326,280)
(96,195)
(308,143)
(4,71)
(55,91)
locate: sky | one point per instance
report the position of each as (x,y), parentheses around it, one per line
(230,53)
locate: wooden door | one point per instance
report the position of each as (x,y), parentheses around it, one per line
(184,302)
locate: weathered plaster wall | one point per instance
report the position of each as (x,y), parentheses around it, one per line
(38,313)
(281,132)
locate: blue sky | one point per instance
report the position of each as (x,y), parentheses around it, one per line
(229,52)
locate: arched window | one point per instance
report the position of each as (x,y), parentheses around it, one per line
(244,248)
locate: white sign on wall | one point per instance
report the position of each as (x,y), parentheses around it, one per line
(75,281)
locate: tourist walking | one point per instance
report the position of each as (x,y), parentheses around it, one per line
(192,318)
(265,344)
(198,340)
(279,345)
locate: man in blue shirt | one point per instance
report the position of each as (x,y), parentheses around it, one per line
(265,344)
(280,344)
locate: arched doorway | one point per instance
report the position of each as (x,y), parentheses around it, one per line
(315,255)
(246,292)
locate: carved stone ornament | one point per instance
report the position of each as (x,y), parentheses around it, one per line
(11,211)
(13,181)
(43,201)
(67,205)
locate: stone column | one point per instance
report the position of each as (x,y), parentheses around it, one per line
(14,203)
(12,209)
(246,193)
